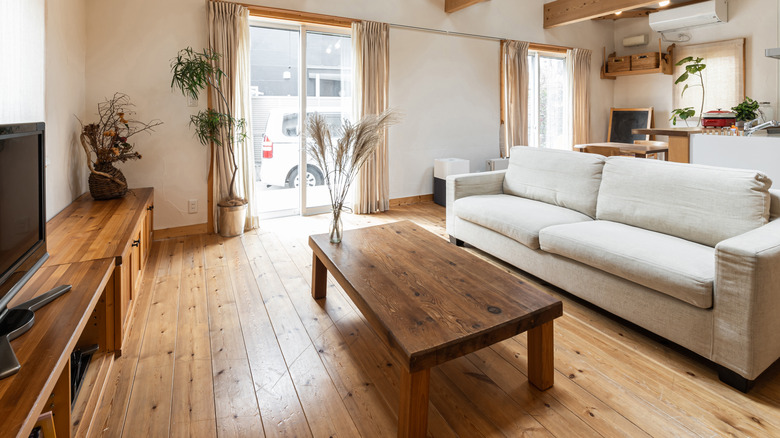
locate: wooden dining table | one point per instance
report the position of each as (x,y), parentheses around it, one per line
(637,150)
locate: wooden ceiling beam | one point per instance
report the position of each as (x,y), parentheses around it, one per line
(456,5)
(560,12)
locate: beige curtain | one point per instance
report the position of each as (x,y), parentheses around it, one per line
(229,36)
(371,71)
(578,66)
(514,100)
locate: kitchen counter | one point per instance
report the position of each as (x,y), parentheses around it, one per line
(679,147)
(758,152)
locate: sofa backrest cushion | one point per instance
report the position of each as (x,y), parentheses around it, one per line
(699,203)
(563,178)
(774,206)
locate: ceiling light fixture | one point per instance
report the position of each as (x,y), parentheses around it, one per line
(664,3)
(618,12)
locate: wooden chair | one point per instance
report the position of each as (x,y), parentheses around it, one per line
(653,143)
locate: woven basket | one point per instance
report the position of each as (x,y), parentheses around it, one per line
(101,187)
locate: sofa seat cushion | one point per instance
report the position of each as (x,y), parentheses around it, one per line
(679,268)
(518,218)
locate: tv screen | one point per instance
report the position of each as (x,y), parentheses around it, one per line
(22,206)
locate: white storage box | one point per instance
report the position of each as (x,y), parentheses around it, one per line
(442,168)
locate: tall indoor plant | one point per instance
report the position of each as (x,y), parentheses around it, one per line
(693,67)
(341,159)
(192,73)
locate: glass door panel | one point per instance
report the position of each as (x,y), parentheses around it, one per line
(275,114)
(329,93)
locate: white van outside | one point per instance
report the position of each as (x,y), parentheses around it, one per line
(280,153)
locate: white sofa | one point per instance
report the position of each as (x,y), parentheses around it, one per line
(688,252)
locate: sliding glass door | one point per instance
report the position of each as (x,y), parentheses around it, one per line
(288,183)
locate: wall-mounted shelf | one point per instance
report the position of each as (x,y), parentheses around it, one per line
(666,60)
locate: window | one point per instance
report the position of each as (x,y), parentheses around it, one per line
(724,81)
(548,101)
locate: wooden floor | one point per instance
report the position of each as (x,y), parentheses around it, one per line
(227,341)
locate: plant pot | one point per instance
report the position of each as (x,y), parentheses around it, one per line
(102,187)
(232,220)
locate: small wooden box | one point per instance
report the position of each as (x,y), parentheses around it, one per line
(618,63)
(644,61)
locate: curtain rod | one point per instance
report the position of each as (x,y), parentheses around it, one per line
(534,46)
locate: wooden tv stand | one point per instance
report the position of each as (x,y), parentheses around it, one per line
(99,247)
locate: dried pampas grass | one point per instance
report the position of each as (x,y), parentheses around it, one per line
(341,161)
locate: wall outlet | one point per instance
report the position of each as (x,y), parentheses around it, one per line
(192,206)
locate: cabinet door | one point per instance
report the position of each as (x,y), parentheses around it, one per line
(137,260)
(148,233)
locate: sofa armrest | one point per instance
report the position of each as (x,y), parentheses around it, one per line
(747,301)
(471,184)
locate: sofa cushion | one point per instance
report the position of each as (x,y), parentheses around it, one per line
(674,266)
(519,219)
(699,203)
(774,206)
(563,178)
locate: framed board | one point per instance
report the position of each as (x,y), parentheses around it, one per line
(623,120)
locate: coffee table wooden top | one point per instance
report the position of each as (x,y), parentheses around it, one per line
(429,300)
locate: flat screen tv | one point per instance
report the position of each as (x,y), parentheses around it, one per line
(22,232)
(22,206)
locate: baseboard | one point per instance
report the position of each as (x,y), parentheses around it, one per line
(397,202)
(187,230)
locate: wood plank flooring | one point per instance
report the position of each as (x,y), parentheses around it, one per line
(226,341)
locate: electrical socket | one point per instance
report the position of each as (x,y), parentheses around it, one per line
(192,206)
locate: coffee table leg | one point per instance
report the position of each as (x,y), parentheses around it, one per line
(541,367)
(413,415)
(319,278)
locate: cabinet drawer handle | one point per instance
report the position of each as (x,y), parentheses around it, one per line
(137,242)
(150,208)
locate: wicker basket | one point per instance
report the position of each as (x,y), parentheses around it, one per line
(101,187)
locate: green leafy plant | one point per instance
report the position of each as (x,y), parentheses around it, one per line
(747,110)
(693,68)
(193,72)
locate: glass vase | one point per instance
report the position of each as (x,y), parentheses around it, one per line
(336,228)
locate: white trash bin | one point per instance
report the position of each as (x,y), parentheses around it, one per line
(442,168)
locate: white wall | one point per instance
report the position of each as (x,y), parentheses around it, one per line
(755,20)
(22,32)
(66,46)
(450,106)
(132,55)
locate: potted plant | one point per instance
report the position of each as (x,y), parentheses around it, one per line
(341,160)
(746,111)
(108,141)
(192,73)
(694,67)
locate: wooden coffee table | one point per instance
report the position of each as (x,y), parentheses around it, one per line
(432,302)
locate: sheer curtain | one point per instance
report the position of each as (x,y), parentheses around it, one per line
(514,99)
(371,69)
(578,65)
(229,36)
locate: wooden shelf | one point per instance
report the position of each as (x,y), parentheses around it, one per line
(91,394)
(666,62)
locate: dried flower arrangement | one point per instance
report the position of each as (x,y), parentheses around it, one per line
(107,141)
(341,161)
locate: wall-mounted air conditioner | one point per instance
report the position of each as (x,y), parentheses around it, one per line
(684,17)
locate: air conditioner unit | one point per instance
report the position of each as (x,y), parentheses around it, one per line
(684,17)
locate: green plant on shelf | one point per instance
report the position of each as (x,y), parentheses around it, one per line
(747,110)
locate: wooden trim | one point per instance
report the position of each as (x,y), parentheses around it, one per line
(562,12)
(186,230)
(409,200)
(456,5)
(646,12)
(547,48)
(299,16)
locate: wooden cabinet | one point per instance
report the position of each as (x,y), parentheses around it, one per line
(101,248)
